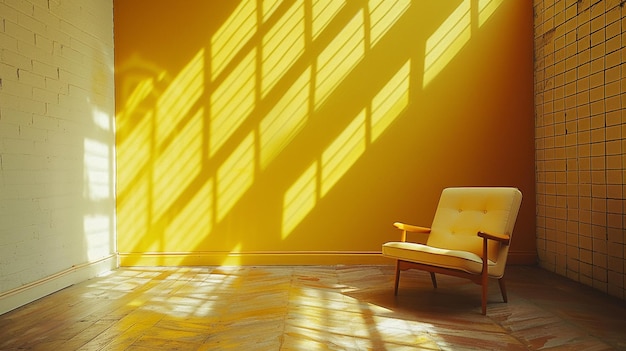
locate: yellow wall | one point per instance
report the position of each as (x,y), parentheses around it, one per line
(282,132)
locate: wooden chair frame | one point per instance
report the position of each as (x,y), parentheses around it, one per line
(482,279)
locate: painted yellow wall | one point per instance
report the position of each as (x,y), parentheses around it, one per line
(278,132)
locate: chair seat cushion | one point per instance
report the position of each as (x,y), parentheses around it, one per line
(433,256)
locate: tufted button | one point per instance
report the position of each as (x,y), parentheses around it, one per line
(485,211)
(460,210)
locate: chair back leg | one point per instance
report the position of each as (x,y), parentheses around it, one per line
(432,277)
(397,282)
(484,297)
(503,289)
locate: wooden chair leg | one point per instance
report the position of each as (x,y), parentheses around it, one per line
(432,277)
(484,296)
(484,278)
(503,289)
(395,290)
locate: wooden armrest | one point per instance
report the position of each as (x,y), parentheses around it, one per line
(503,238)
(411,228)
(406,228)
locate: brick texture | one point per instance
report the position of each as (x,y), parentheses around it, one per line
(56,137)
(580,120)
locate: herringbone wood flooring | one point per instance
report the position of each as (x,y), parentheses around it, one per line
(314,308)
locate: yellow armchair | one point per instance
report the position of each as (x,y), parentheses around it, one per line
(469,237)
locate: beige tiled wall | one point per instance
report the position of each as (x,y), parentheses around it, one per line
(580,130)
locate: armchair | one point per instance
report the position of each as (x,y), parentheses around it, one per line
(469,237)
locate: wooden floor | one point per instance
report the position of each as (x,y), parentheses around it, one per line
(314,308)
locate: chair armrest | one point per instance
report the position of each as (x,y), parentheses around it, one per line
(502,238)
(411,228)
(408,228)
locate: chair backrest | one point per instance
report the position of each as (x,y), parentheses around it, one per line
(462,212)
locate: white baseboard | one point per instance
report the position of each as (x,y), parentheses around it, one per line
(12,299)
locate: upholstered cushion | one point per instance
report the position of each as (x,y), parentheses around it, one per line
(463,212)
(455,259)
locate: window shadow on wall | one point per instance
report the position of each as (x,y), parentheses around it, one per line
(261,126)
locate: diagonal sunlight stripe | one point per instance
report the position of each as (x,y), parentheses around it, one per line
(282,46)
(338,158)
(176,167)
(135,205)
(299,200)
(384,14)
(448,29)
(285,120)
(235,176)
(133,148)
(390,101)
(232,259)
(341,55)
(193,223)
(269,7)
(180,96)
(447,41)
(409,332)
(141,91)
(343,152)
(134,151)
(232,102)
(486,8)
(230,38)
(323,12)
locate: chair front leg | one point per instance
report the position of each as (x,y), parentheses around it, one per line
(485,277)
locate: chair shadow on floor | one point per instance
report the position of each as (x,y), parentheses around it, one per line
(453,296)
(544,309)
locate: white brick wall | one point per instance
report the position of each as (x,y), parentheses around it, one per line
(57,207)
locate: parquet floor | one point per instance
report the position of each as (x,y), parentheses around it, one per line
(314,308)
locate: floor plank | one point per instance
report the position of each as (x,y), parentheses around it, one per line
(314,308)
